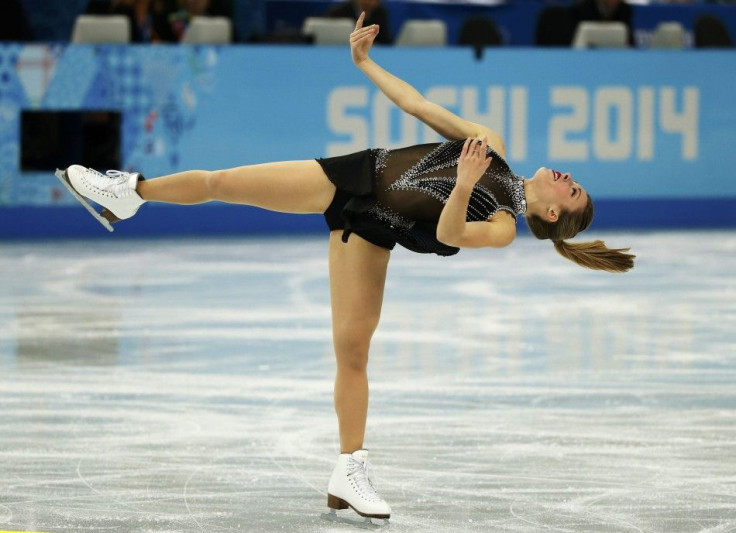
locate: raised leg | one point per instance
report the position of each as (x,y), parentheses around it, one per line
(289,186)
(357,278)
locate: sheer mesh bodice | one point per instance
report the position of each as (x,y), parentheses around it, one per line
(415,182)
(402,198)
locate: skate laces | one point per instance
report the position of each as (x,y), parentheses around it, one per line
(114,181)
(358,472)
(117,174)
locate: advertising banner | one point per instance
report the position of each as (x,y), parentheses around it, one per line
(629,125)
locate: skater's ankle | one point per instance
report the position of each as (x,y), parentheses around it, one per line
(350,451)
(140,188)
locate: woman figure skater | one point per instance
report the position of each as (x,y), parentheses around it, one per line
(431,198)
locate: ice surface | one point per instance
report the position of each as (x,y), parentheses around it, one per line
(184,385)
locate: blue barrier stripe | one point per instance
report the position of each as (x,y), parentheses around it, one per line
(227,220)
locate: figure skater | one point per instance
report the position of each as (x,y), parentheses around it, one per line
(430,198)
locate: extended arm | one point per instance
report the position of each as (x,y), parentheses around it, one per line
(452,227)
(407,98)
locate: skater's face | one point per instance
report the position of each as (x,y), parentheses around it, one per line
(560,192)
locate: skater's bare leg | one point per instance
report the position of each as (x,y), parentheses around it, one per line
(289,186)
(357,278)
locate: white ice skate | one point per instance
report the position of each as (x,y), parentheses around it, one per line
(114,191)
(350,486)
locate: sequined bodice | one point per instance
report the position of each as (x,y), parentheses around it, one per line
(414,183)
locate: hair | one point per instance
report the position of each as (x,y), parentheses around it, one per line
(594,255)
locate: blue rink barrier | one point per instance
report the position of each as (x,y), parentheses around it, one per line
(650,134)
(158,221)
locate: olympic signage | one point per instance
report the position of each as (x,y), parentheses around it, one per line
(630,124)
(617,123)
(636,123)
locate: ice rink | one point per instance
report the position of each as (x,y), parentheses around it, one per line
(186,386)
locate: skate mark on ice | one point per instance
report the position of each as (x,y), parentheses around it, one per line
(533,523)
(96,491)
(593,518)
(6,519)
(186,502)
(283,437)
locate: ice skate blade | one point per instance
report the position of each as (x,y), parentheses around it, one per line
(357,521)
(61,175)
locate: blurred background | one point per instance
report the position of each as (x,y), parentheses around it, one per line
(634,98)
(184,384)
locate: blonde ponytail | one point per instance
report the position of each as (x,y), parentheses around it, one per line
(594,254)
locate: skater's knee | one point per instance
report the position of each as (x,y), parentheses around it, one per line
(352,340)
(352,361)
(215,181)
(352,350)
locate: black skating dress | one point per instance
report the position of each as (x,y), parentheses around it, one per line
(396,196)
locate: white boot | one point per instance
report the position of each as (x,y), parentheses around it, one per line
(350,487)
(114,191)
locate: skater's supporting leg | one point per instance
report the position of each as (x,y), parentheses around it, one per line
(357,278)
(290,186)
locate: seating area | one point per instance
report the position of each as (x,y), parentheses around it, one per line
(208,30)
(562,23)
(522,23)
(600,35)
(422,33)
(113,29)
(328,31)
(670,35)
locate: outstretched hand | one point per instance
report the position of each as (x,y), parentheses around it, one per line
(473,162)
(362,39)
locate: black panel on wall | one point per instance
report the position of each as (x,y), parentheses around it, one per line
(56,139)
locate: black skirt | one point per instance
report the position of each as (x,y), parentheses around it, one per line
(353,176)
(352,173)
(353,208)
